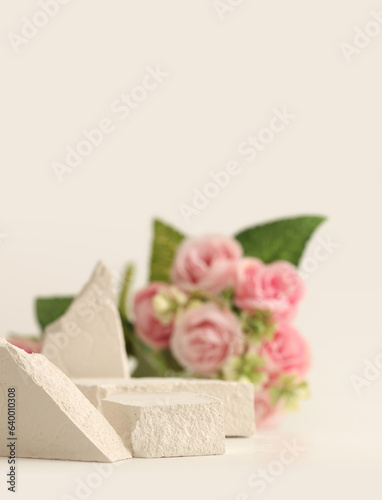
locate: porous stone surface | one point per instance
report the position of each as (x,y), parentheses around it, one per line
(174,424)
(237,397)
(88,341)
(53,418)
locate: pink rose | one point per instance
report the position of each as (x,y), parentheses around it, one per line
(267,415)
(148,326)
(206,263)
(287,352)
(28,345)
(205,337)
(275,287)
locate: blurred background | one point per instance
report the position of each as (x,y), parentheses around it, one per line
(226,71)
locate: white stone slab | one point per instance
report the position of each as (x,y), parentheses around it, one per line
(174,424)
(237,397)
(53,418)
(88,341)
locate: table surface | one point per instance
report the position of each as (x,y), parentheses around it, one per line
(268,465)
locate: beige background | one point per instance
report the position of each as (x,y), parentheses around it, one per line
(225,78)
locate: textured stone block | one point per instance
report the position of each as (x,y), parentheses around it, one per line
(87,341)
(237,397)
(53,419)
(167,424)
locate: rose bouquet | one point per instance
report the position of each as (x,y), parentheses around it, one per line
(220,307)
(229,317)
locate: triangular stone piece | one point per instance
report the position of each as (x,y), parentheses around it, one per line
(51,418)
(88,341)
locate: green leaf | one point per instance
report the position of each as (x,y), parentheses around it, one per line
(128,332)
(150,363)
(50,309)
(279,240)
(165,243)
(145,368)
(126,284)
